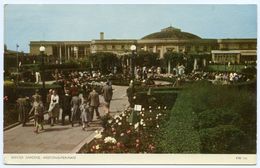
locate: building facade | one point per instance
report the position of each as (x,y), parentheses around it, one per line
(168,39)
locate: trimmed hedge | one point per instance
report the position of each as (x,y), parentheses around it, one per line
(211,119)
(24,89)
(160,96)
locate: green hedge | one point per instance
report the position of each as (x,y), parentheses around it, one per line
(160,96)
(211,119)
(24,89)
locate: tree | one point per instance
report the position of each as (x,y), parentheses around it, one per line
(146,58)
(104,61)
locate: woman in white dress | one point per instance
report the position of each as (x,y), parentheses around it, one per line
(54,108)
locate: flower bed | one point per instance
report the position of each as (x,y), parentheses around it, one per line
(129,132)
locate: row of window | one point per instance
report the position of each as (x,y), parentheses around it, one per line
(238,46)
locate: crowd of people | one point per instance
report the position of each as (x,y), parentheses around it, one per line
(78,106)
(78,99)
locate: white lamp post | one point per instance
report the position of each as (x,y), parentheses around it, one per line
(133,49)
(42,50)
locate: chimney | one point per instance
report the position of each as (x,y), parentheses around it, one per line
(101,35)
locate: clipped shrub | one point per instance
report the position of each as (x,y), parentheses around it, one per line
(212,119)
(225,139)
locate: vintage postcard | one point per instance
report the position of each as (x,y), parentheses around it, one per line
(130,83)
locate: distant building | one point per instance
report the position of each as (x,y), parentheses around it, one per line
(168,39)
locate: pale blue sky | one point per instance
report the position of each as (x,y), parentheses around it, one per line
(24,23)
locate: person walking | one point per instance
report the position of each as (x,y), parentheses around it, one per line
(36,95)
(94,103)
(54,108)
(48,102)
(85,114)
(75,113)
(66,106)
(22,106)
(107,94)
(130,94)
(37,109)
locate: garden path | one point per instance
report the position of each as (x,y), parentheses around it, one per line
(59,139)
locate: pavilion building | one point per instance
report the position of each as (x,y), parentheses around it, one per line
(168,39)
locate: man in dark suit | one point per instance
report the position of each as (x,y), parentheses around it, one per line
(107,93)
(66,106)
(94,103)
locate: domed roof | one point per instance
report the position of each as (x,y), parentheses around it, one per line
(171,33)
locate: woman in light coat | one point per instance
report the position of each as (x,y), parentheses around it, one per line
(54,108)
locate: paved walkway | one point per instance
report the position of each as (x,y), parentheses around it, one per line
(59,139)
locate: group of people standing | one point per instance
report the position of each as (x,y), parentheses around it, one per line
(78,107)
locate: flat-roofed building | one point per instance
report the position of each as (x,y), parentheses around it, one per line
(168,39)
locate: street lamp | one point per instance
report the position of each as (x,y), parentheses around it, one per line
(133,49)
(42,50)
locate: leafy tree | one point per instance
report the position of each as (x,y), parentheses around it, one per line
(104,61)
(146,58)
(174,57)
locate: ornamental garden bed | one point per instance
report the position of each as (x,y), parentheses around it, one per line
(129,132)
(135,131)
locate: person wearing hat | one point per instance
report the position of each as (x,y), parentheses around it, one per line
(66,106)
(94,103)
(107,94)
(22,106)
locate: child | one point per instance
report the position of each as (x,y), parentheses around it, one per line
(85,114)
(37,108)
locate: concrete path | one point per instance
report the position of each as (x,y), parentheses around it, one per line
(59,139)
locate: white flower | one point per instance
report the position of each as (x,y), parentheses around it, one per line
(116,116)
(157,118)
(144,124)
(157,126)
(159,114)
(134,97)
(150,111)
(109,121)
(122,134)
(165,107)
(110,140)
(123,114)
(98,136)
(143,109)
(130,123)
(142,114)
(150,107)
(159,107)
(119,123)
(136,125)
(96,131)
(97,147)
